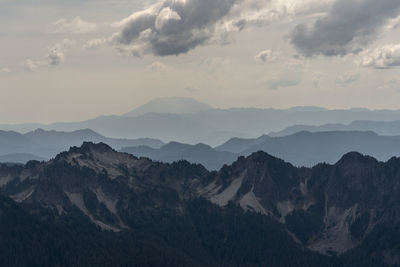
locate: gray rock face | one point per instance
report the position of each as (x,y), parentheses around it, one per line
(329,208)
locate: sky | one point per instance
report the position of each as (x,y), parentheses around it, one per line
(67,60)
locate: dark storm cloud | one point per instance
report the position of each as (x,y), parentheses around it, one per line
(173,27)
(347,28)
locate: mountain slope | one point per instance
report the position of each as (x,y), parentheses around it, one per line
(349,209)
(173,105)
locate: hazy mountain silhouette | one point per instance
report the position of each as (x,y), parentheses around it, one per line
(300,149)
(389,128)
(309,149)
(200,153)
(172,105)
(47,144)
(238,145)
(213,126)
(21,158)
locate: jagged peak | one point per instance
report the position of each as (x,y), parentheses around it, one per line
(100,147)
(85,148)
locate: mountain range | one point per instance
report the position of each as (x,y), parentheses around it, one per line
(389,128)
(171,152)
(20,158)
(110,208)
(170,105)
(41,144)
(300,149)
(186,120)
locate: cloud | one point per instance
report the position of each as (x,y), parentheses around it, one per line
(174,27)
(393,24)
(393,84)
(266,56)
(317,78)
(347,28)
(55,56)
(384,57)
(262,12)
(191,89)
(347,79)
(95,43)
(75,26)
(284,81)
(32,65)
(158,66)
(4,70)
(171,27)
(291,75)
(212,65)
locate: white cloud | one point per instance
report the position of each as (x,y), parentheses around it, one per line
(4,70)
(95,43)
(348,78)
(191,89)
(55,56)
(384,57)
(75,26)
(212,65)
(158,66)
(32,65)
(291,75)
(393,84)
(393,24)
(266,56)
(317,78)
(263,12)
(165,16)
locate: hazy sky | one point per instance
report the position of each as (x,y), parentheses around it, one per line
(76,59)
